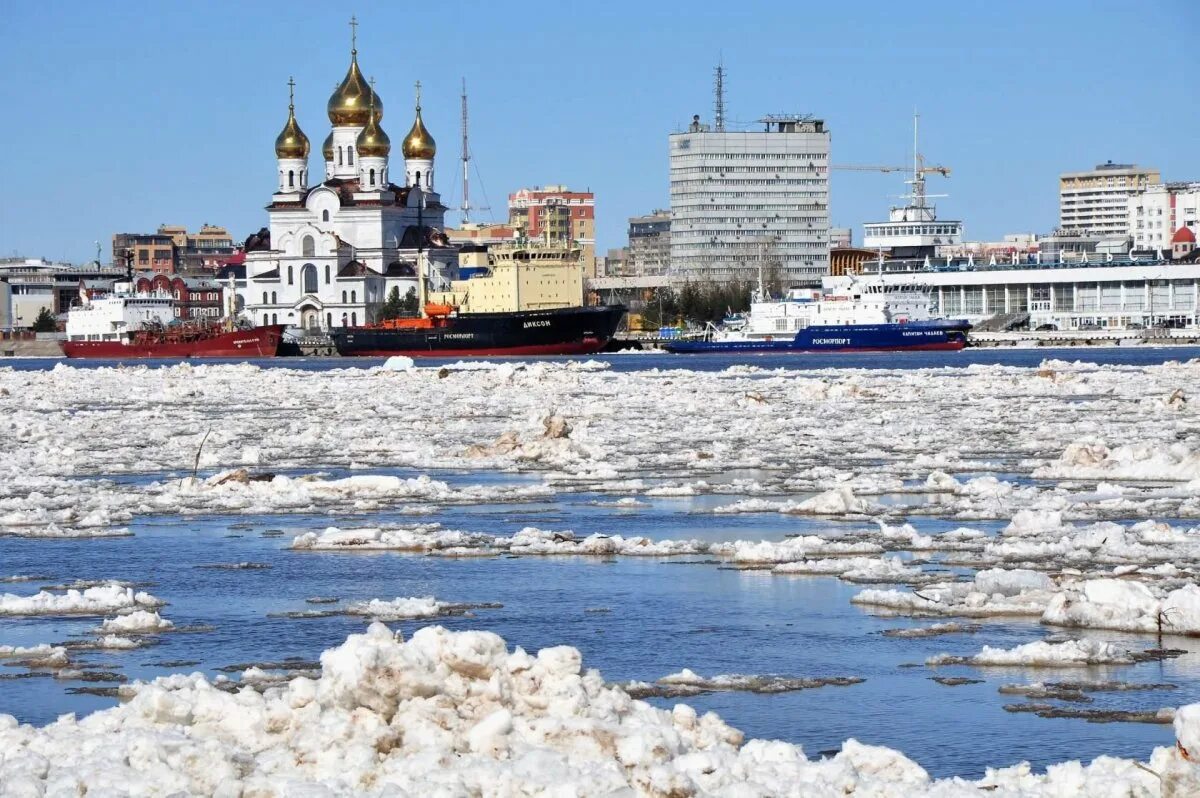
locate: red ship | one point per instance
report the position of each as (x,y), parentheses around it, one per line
(184,340)
(125,324)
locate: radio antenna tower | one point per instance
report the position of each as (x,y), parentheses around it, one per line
(719,98)
(466,160)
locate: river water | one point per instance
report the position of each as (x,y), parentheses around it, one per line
(633,618)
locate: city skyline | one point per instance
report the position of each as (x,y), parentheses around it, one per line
(178,128)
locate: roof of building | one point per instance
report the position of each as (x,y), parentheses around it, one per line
(1184,235)
(354,268)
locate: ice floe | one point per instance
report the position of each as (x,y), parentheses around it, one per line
(993,592)
(1070,653)
(458,713)
(92,601)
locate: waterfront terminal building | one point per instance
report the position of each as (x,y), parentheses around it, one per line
(1150,289)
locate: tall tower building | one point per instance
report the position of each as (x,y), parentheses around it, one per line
(738,197)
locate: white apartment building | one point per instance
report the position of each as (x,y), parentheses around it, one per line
(1097,201)
(739,197)
(1155,214)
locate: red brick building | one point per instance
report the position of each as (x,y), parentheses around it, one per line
(560,213)
(195,297)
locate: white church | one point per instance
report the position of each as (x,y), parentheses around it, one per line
(337,248)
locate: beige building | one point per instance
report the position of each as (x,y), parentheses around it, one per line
(525,276)
(1097,201)
(650,243)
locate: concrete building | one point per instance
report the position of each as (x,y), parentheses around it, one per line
(1096,202)
(1076,295)
(732,192)
(614,264)
(481,234)
(154,252)
(560,214)
(32,284)
(841,237)
(650,243)
(1153,215)
(172,249)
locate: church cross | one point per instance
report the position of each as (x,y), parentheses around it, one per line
(418,95)
(353,34)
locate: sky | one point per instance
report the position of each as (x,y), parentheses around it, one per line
(122,116)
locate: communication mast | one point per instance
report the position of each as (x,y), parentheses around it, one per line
(719,99)
(466,160)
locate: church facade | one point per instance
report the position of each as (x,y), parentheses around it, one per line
(338,246)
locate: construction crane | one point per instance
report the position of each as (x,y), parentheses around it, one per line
(918,169)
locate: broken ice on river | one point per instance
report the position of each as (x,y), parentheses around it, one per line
(164,531)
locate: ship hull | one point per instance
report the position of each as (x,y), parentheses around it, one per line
(945,336)
(257,342)
(567,331)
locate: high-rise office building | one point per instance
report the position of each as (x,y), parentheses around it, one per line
(741,197)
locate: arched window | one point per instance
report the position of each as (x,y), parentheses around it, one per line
(274,318)
(264,297)
(329,320)
(350,156)
(308,247)
(343,297)
(372,177)
(273,299)
(353,296)
(339,156)
(326,274)
(291,276)
(353,319)
(418,183)
(308,275)
(325,216)
(291,178)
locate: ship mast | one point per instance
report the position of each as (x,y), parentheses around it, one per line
(466,158)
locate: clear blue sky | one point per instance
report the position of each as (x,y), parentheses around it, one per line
(120,116)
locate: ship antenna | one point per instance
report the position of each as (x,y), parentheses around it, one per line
(719,97)
(466,157)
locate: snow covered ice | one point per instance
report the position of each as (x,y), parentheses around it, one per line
(458,713)
(998,504)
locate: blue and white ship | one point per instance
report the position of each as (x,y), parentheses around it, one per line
(850,314)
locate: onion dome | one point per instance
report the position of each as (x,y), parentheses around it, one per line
(291,141)
(1184,235)
(418,143)
(350,103)
(327,147)
(372,141)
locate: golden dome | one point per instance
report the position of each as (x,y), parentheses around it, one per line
(327,147)
(372,141)
(418,143)
(291,141)
(349,105)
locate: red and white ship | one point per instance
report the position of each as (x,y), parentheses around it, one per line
(126,324)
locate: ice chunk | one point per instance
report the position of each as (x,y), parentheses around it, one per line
(1072,653)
